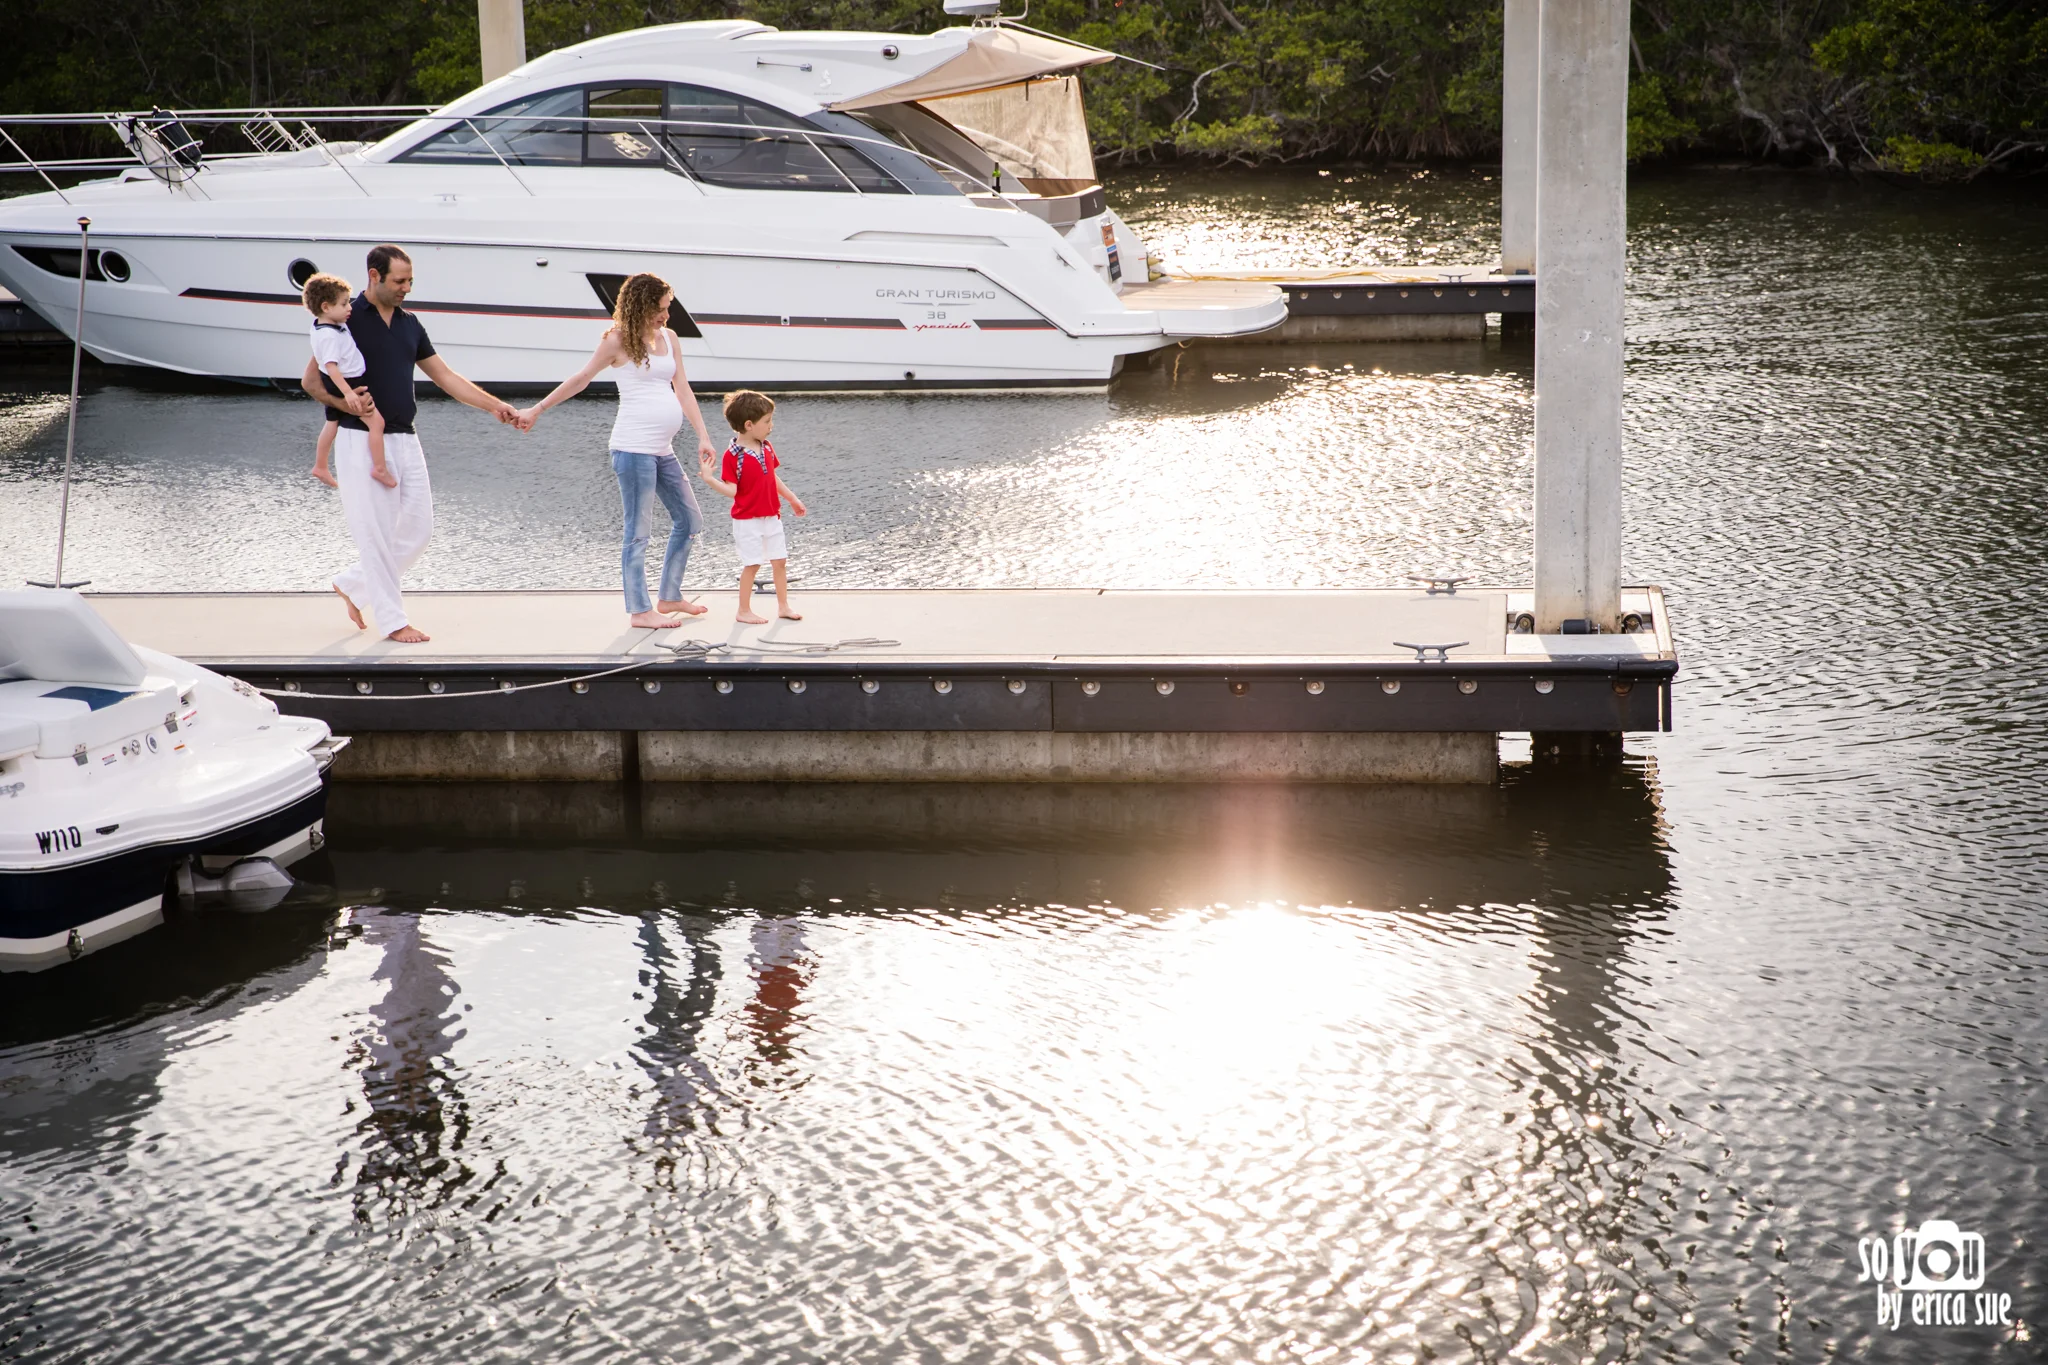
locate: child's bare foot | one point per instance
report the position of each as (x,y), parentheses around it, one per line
(407,635)
(748,618)
(353,614)
(788,615)
(383,475)
(686,608)
(652,620)
(320,473)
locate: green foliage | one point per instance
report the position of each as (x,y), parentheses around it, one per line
(1941,81)
(1653,130)
(1249,139)
(1934,160)
(1827,81)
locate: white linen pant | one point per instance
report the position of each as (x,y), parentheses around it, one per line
(390,526)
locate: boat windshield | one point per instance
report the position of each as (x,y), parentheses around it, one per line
(968,168)
(716,137)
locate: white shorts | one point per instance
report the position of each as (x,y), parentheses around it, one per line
(759,540)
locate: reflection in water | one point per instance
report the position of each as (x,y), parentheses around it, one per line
(682,990)
(82,1050)
(418,1122)
(782,968)
(775,848)
(1155,1061)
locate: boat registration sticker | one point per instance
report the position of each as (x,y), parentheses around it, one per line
(1116,269)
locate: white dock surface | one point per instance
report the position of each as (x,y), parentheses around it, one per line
(1021,625)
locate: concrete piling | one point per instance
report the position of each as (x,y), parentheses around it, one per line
(501,34)
(1519,77)
(1582,156)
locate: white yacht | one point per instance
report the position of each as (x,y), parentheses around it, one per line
(126,774)
(835,210)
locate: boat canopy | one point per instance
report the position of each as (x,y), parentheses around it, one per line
(991,57)
(1036,129)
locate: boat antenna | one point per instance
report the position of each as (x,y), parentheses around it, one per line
(71,427)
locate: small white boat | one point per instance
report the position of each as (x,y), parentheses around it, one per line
(836,211)
(126,774)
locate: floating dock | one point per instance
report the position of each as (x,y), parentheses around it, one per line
(1069,685)
(22,326)
(1399,303)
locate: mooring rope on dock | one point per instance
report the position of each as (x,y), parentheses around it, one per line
(501,690)
(702,649)
(699,649)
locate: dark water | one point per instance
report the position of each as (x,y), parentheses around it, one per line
(1581,1066)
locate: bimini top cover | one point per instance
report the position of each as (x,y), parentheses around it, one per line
(55,636)
(993,56)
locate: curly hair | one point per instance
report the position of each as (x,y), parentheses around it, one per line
(638,306)
(322,290)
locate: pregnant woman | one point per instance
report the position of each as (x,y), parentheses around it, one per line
(654,400)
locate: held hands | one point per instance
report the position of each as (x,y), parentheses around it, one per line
(525,418)
(507,414)
(706,453)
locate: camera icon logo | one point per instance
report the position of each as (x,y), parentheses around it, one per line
(1938,1255)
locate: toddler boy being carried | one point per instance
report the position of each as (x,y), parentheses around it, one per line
(341,360)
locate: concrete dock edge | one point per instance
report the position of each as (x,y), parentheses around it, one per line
(921,755)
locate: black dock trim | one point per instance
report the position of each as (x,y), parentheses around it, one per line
(1590,693)
(1353,298)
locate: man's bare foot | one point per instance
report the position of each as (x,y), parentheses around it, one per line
(686,608)
(384,477)
(353,614)
(652,620)
(788,615)
(320,473)
(748,618)
(407,635)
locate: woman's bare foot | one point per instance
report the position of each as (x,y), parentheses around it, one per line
(748,618)
(788,615)
(353,614)
(652,620)
(686,608)
(407,635)
(320,473)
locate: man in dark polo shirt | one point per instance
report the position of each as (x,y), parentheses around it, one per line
(390,525)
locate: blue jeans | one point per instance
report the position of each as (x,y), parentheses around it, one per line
(642,478)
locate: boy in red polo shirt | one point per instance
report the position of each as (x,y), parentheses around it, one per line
(747,475)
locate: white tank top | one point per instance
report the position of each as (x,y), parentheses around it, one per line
(649,415)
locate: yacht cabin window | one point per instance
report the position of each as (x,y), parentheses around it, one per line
(719,138)
(524,132)
(730,140)
(623,126)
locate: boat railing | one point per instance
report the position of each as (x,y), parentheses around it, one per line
(163,141)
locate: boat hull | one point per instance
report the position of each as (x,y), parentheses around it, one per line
(522,300)
(50,915)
